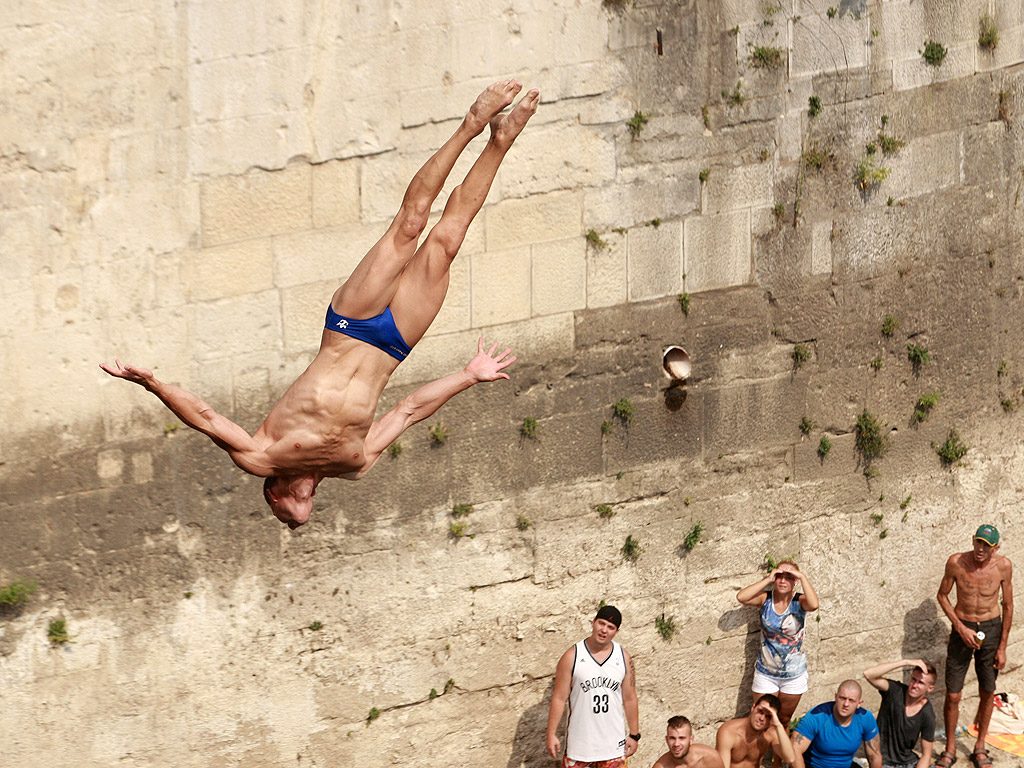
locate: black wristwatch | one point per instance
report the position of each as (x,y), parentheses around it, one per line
(635,736)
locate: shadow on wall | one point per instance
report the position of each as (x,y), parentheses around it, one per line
(925,635)
(731,620)
(528,748)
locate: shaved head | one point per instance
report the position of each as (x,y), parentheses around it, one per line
(850,686)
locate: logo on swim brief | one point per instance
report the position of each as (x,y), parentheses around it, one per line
(343,324)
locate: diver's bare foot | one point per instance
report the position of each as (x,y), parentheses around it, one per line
(495,98)
(505,128)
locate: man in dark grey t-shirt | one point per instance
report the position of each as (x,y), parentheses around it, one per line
(905,713)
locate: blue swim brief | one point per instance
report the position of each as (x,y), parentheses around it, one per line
(380,331)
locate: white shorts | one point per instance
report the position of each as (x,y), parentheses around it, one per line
(768,684)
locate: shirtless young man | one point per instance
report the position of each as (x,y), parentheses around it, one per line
(324,424)
(682,751)
(743,741)
(979,576)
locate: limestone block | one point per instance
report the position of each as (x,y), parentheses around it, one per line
(549,337)
(894,19)
(497,44)
(821,44)
(230,147)
(626,205)
(581,36)
(589,78)
(1010,50)
(140,157)
(925,165)
(557,156)
(746,186)
(251,322)
(231,31)
(438,103)
(418,45)
(230,270)
(90,153)
(125,43)
(607,273)
(336,198)
(146,216)
(323,254)
(655,261)
(716,250)
(916,72)
(981,146)
(821,248)
(559,276)
(500,286)
(743,418)
(554,216)
(169,287)
(254,204)
(455,312)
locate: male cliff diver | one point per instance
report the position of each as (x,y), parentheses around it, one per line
(323,425)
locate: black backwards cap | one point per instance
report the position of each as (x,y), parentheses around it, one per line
(610,613)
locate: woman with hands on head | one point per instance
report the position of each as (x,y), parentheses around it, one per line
(781,666)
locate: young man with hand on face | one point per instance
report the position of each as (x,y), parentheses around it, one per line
(743,741)
(905,714)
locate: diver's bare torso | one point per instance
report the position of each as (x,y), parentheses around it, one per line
(320,423)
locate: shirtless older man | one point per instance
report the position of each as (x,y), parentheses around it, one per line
(980,629)
(324,424)
(683,752)
(743,741)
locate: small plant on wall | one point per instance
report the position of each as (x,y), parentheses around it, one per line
(666,626)
(988,33)
(636,123)
(869,439)
(438,434)
(595,240)
(529,427)
(800,355)
(952,450)
(57,632)
(623,409)
(16,594)
(694,535)
(918,356)
(824,446)
(631,549)
(924,406)
(933,53)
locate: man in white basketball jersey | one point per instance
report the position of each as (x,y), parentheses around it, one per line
(597,679)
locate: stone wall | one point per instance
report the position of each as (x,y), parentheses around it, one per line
(183,185)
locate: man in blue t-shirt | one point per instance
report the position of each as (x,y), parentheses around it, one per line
(830,734)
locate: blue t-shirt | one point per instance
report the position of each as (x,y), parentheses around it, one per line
(782,637)
(832,745)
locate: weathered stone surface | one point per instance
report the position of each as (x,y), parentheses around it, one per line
(716,250)
(185,186)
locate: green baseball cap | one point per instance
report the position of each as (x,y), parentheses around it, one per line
(988,533)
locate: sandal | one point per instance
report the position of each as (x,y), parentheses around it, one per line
(946,759)
(981,759)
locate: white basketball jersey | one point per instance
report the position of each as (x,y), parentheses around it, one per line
(597,722)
